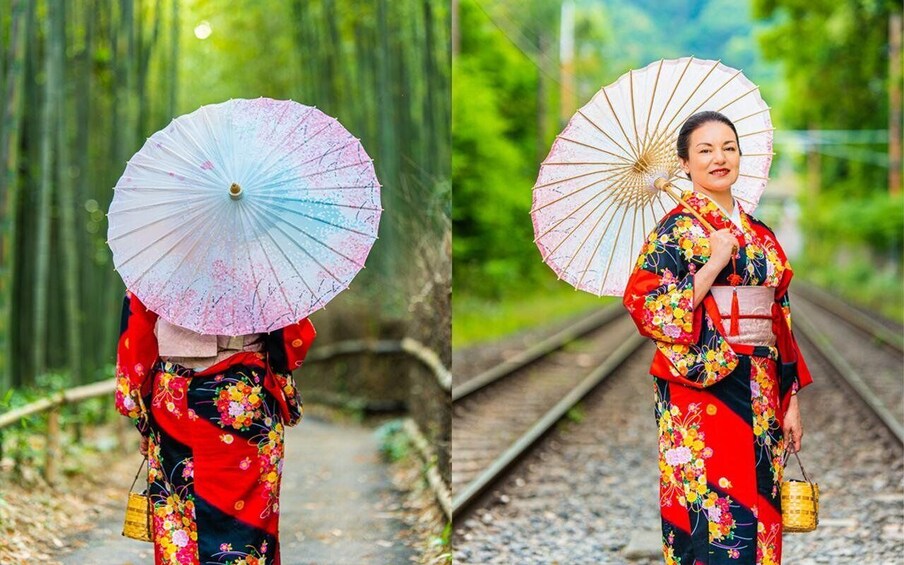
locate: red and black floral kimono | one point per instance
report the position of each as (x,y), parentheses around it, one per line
(719,407)
(215,441)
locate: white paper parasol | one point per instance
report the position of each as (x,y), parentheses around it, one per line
(594,201)
(245,216)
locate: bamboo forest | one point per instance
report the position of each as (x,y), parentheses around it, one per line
(87,82)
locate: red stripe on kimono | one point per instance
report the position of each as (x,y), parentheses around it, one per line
(215,441)
(719,407)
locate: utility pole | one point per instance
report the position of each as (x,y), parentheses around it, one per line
(456,37)
(894,103)
(566,61)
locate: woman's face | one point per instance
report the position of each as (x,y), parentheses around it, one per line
(713,157)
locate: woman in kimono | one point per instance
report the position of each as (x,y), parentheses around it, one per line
(727,367)
(217,407)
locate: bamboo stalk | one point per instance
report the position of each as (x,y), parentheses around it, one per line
(52,466)
(9,141)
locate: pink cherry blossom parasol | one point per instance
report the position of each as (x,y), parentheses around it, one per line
(245,216)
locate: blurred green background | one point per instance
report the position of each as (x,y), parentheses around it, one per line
(824,67)
(84,82)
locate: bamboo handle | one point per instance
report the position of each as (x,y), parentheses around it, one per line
(666,186)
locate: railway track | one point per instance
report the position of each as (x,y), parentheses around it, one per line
(498,415)
(865,354)
(577,494)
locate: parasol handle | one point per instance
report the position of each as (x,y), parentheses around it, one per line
(666,186)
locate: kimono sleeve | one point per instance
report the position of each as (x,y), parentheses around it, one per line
(287,347)
(286,350)
(660,291)
(793,368)
(136,354)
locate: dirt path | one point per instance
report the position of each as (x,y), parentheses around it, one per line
(338,506)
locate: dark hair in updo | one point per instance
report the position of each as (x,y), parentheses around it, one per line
(694,122)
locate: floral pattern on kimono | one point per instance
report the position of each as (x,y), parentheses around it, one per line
(719,408)
(216,441)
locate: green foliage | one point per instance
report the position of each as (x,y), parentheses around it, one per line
(479,319)
(494,140)
(394,442)
(444,540)
(576,414)
(855,248)
(129,67)
(835,64)
(643,31)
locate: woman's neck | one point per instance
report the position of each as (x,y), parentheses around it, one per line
(723,199)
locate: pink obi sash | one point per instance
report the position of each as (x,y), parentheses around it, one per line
(746,313)
(197,351)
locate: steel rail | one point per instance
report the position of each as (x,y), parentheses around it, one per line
(848,374)
(594,321)
(462,501)
(849,314)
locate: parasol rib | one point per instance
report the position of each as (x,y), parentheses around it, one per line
(334,149)
(629,158)
(586,237)
(194,150)
(321,220)
(262,218)
(196,182)
(753,176)
(359,187)
(667,130)
(242,211)
(290,262)
(179,226)
(729,103)
(620,126)
(580,223)
(269,185)
(192,166)
(626,160)
(665,107)
(317,202)
(633,113)
(580,163)
(646,128)
(296,148)
(149,205)
(259,161)
(596,247)
(326,245)
(212,147)
(314,259)
(748,134)
(139,227)
(566,179)
(214,138)
(621,224)
(204,230)
(716,91)
(585,187)
(593,198)
(748,116)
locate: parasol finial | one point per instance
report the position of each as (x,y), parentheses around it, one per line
(235,191)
